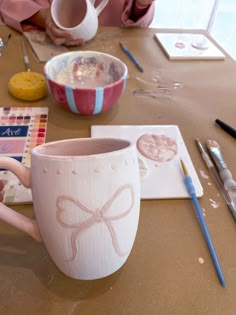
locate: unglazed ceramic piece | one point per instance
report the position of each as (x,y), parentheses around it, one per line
(86,196)
(80,18)
(188,46)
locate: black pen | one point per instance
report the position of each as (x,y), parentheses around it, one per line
(227,128)
(128,53)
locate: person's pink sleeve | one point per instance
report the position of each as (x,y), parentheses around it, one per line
(135,16)
(14,12)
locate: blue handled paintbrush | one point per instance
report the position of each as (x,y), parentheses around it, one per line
(128,53)
(191,190)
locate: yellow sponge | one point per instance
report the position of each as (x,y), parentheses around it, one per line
(28,86)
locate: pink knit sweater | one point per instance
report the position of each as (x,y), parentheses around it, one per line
(124,13)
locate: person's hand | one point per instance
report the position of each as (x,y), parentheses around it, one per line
(60,37)
(44,20)
(1,190)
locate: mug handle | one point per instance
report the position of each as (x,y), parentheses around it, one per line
(10,216)
(101,6)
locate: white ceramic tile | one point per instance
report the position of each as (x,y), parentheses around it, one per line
(159,180)
(188,46)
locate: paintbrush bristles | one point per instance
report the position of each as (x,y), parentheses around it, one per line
(201,149)
(184,168)
(212,143)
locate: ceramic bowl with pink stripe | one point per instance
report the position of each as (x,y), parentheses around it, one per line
(86,82)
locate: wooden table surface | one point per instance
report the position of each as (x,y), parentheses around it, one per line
(162,274)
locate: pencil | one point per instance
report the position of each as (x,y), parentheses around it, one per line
(191,190)
(227,128)
(131,57)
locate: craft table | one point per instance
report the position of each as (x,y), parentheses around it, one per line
(169,271)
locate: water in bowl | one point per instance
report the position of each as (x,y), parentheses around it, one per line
(89,73)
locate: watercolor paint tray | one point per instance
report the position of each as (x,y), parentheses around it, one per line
(183,46)
(159,149)
(21,129)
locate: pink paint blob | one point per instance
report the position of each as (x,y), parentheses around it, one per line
(180,45)
(158,148)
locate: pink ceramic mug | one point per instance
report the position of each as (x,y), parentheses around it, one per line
(86,198)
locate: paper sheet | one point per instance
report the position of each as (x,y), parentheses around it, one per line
(42,46)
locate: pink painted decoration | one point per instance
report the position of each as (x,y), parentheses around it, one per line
(160,148)
(97,216)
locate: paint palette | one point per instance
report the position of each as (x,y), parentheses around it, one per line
(159,149)
(21,129)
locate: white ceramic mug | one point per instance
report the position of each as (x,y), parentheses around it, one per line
(79,17)
(86,198)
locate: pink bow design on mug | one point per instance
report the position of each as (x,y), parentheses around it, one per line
(97,216)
